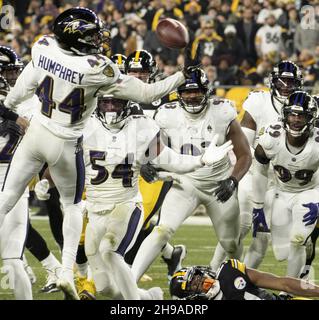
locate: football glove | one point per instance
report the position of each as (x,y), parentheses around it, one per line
(226,189)
(148,173)
(215,153)
(41,190)
(259,221)
(312,215)
(11,128)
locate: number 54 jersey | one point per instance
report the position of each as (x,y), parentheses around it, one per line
(191,134)
(113,161)
(293,172)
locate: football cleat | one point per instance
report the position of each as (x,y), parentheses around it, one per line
(146,278)
(50,285)
(86,288)
(175,262)
(68,289)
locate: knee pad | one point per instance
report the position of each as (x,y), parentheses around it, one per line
(298,240)
(230,246)
(164,232)
(91,242)
(281,253)
(109,243)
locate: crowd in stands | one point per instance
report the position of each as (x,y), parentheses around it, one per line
(238,41)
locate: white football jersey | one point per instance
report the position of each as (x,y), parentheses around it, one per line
(263,111)
(113,161)
(191,134)
(67,85)
(269,38)
(293,172)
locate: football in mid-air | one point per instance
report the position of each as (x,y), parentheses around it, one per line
(172,33)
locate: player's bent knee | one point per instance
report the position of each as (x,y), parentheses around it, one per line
(109,243)
(230,246)
(298,240)
(164,232)
(281,254)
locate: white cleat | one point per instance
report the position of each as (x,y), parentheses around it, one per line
(68,289)
(156,293)
(146,278)
(50,285)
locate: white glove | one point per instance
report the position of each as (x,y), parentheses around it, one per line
(168,176)
(41,190)
(214,293)
(214,154)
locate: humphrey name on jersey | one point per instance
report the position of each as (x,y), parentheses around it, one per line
(59,70)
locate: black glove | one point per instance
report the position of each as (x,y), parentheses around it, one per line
(11,128)
(148,173)
(226,189)
(190,64)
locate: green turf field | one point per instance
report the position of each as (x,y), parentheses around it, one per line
(200,242)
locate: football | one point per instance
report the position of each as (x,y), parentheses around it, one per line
(172,34)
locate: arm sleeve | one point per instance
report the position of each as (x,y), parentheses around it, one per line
(250,135)
(24,87)
(130,88)
(260,182)
(170,160)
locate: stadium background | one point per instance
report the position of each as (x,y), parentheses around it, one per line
(224,33)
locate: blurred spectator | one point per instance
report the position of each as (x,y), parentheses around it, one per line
(49,9)
(290,30)
(269,9)
(149,12)
(268,38)
(136,39)
(119,42)
(170,10)
(207,41)
(192,15)
(226,74)
(307,33)
(246,31)
(231,46)
(310,66)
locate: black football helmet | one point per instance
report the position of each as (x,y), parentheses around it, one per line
(142,65)
(299,103)
(80,30)
(10,65)
(190,281)
(111,111)
(285,78)
(119,60)
(194,93)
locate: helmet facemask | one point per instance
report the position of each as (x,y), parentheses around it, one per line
(193,100)
(283,87)
(111,111)
(299,119)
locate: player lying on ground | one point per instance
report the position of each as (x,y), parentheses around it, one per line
(234,281)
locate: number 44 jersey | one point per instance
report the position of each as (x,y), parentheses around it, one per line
(113,161)
(293,172)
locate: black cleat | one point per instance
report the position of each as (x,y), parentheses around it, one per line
(175,262)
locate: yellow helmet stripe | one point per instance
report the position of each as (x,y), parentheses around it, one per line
(137,56)
(119,59)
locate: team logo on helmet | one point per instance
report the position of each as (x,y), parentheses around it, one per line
(79,26)
(4,58)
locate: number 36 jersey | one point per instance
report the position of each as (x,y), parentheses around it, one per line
(293,172)
(113,161)
(191,134)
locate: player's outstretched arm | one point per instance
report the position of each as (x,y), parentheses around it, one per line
(24,87)
(130,88)
(287,284)
(169,160)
